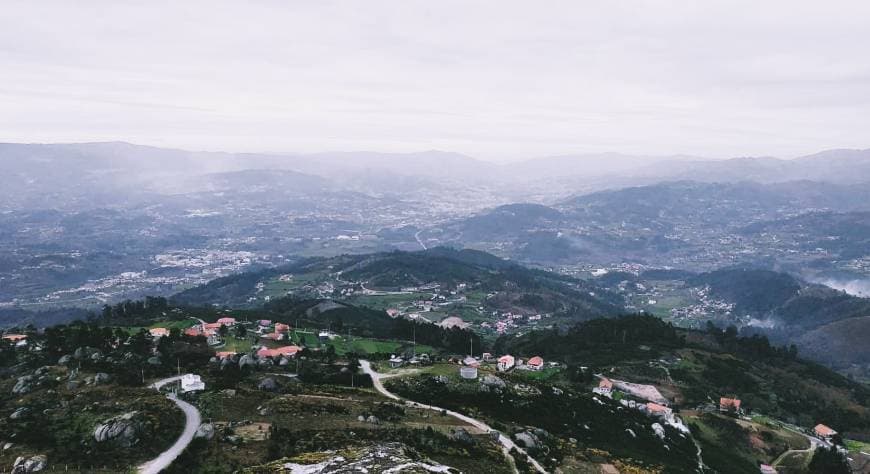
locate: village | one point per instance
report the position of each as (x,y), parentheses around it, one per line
(277,349)
(459,304)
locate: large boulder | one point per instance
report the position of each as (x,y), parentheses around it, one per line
(154,360)
(268,384)
(463,436)
(247,361)
(526,439)
(21,412)
(101,377)
(122,430)
(205,431)
(24,465)
(64,360)
(492,381)
(24,385)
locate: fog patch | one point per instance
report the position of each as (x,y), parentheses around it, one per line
(762,323)
(856,287)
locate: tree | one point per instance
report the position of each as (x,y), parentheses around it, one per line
(241,331)
(223,330)
(828,461)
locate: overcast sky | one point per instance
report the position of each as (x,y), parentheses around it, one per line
(497,80)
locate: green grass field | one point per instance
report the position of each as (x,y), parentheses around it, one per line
(370,346)
(548,373)
(857,446)
(276,288)
(182,324)
(236,345)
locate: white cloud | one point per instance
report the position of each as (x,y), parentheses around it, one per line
(498,79)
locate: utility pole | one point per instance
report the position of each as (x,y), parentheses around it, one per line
(415,339)
(471,340)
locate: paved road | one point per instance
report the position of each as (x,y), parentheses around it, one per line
(507,443)
(192,420)
(417,236)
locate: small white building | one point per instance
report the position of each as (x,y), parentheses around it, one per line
(396,362)
(468,372)
(191,383)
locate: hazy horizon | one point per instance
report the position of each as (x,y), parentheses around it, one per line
(486,159)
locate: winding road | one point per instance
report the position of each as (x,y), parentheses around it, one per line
(192,420)
(506,443)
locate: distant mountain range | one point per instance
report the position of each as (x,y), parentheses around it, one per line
(673,219)
(33,174)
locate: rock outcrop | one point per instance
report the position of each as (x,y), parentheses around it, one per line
(24,465)
(122,430)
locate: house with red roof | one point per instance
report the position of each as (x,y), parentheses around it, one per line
(535,363)
(227,321)
(605,387)
(286,351)
(729,405)
(158,332)
(282,328)
(506,362)
(19,340)
(825,432)
(660,411)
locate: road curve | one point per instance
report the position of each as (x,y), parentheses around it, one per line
(507,443)
(192,420)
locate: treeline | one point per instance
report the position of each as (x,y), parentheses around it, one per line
(455,340)
(365,322)
(756,346)
(603,340)
(145,311)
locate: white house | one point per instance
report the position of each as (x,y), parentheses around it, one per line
(506,362)
(191,383)
(396,362)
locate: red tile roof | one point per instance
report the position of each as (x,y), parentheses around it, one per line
(824,431)
(729,403)
(656,408)
(536,361)
(286,350)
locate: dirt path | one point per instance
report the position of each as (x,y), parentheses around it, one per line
(507,443)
